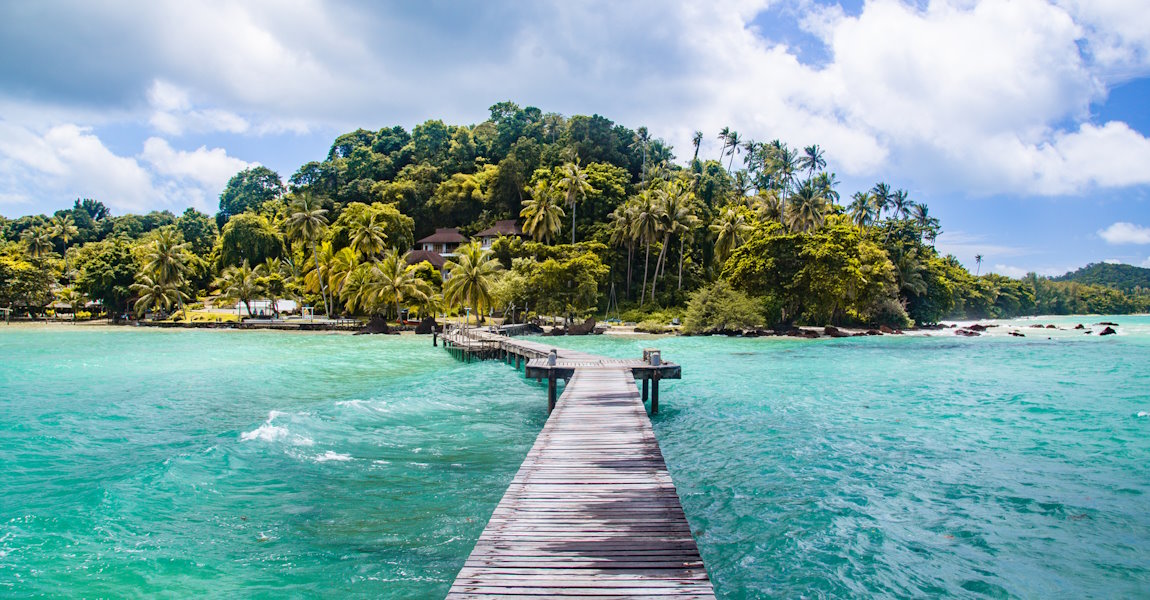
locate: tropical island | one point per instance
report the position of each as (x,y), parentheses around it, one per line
(532,214)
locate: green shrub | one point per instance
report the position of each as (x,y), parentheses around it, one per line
(718,307)
(654,314)
(651,327)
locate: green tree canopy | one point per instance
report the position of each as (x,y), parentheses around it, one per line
(248,190)
(249,237)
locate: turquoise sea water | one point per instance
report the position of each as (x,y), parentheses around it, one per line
(222,464)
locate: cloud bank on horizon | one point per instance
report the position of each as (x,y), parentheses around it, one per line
(142,105)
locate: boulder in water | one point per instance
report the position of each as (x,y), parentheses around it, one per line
(835,332)
(1080,326)
(1108,324)
(584,328)
(377,324)
(966,333)
(1108,331)
(427,325)
(1017,334)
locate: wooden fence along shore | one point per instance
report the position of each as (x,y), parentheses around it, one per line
(592,510)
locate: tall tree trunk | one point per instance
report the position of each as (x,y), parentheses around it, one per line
(646,264)
(572,223)
(322,284)
(682,247)
(658,264)
(630,259)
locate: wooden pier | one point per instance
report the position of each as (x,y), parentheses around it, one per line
(592,510)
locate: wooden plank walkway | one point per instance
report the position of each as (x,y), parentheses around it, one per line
(592,510)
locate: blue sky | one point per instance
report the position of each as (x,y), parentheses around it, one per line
(1023,124)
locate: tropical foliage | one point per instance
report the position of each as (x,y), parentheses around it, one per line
(747,232)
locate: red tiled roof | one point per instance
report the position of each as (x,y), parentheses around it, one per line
(449,235)
(508,227)
(417,256)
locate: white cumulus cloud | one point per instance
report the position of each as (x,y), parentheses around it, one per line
(1125,233)
(69,161)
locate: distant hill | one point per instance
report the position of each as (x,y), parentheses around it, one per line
(1122,277)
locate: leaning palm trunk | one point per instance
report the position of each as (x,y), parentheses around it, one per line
(682,247)
(630,259)
(658,264)
(646,264)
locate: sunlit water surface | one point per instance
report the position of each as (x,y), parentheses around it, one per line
(221,464)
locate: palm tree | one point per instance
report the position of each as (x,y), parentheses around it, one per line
(72,298)
(392,281)
(473,272)
(863,209)
(812,160)
(542,214)
(63,228)
(307,222)
(768,206)
(742,185)
(642,142)
(734,141)
(978,263)
(621,219)
(575,186)
(881,192)
(240,284)
(645,228)
(808,209)
(341,270)
(680,219)
(316,278)
(696,140)
(166,260)
(724,136)
(271,281)
(368,235)
(927,225)
(38,240)
(826,184)
(730,229)
(785,164)
(900,203)
(151,294)
(909,270)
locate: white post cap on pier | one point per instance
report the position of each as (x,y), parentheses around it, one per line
(551,358)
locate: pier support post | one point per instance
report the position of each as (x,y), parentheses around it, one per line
(655,392)
(550,391)
(434,340)
(518,360)
(646,380)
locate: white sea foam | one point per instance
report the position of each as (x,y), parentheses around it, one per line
(1143,413)
(329,455)
(275,433)
(266,432)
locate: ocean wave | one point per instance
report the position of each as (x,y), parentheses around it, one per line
(1143,413)
(269,432)
(329,455)
(266,432)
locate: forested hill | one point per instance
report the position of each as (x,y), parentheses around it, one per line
(1118,276)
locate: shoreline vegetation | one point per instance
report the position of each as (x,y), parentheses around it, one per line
(594,220)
